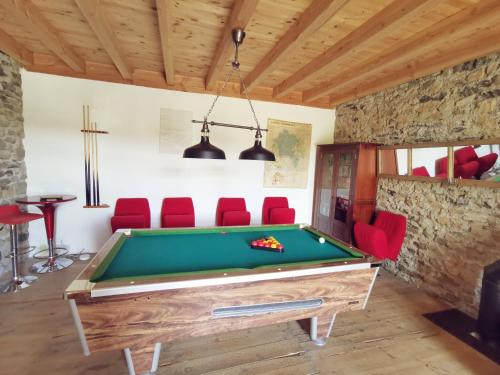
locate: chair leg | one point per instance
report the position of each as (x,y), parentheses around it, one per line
(16,282)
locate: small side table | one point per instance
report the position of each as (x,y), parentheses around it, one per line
(48,204)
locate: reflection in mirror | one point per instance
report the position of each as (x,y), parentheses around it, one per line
(479,162)
(393,162)
(430,162)
(402,161)
(387,162)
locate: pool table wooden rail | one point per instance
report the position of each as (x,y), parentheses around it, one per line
(82,283)
(139,321)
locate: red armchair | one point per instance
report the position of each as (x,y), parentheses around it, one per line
(231,211)
(177,213)
(467,170)
(275,210)
(131,213)
(467,155)
(384,238)
(420,171)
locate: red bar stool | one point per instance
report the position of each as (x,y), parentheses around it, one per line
(48,204)
(12,216)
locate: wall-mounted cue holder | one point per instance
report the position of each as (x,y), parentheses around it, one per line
(91,161)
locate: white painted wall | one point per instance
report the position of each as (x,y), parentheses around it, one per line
(130,163)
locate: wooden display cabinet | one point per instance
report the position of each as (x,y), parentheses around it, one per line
(345,187)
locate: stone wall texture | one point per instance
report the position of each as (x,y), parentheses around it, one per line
(12,166)
(453,231)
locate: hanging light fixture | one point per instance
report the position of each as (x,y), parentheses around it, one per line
(204,149)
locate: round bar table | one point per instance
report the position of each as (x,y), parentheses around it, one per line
(48,204)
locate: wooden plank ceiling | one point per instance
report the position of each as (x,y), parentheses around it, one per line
(318,53)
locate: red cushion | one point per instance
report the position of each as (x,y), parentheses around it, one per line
(177,206)
(134,206)
(177,221)
(486,162)
(371,240)
(228,204)
(11,214)
(236,218)
(282,216)
(467,170)
(128,221)
(420,171)
(465,155)
(394,227)
(269,204)
(442,167)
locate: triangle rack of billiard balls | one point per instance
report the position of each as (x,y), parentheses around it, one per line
(267,243)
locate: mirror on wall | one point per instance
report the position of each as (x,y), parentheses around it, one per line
(430,162)
(464,162)
(477,162)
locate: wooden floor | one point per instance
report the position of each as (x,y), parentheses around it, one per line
(37,336)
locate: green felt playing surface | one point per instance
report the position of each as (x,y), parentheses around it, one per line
(154,253)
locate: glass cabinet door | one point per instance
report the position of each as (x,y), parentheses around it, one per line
(325,193)
(342,194)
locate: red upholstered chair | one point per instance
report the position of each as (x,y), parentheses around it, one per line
(231,211)
(275,210)
(467,170)
(467,155)
(12,216)
(421,171)
(177,213)
(131,213)
(384,238)
(442,167)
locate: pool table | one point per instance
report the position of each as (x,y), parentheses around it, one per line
(146,287)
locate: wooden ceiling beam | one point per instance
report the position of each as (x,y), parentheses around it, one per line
(480,45)
(451,28)
(240,17)
(389,18)
(12,48)
(50,64)
(314,17)
(31,18)
(166,25)
(94,14)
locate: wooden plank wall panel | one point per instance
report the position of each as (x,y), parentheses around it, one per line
(58,28)
(198,27)
(137,33)
(241,14)
(428,18)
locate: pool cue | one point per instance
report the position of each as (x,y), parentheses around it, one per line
(97,165)
(86,156)
(93,167)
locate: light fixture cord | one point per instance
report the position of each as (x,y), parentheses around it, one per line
(258,135)
(236,67)
(219,92)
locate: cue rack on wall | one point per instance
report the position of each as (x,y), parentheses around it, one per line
(91,160)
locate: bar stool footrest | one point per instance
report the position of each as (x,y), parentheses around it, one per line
(44,254)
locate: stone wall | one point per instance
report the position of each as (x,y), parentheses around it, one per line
(453,231)
(12,167)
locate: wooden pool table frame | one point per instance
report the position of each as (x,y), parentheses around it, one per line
(137,315)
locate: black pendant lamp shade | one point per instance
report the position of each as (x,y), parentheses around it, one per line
(204,150)
(257,152)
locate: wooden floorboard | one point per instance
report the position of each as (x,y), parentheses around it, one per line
(37,336)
